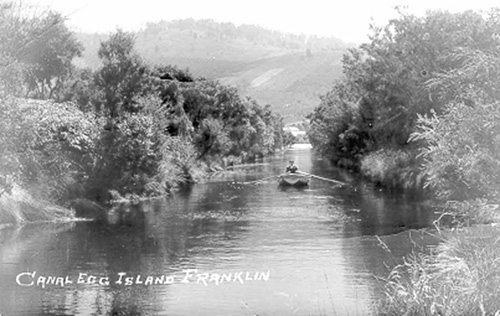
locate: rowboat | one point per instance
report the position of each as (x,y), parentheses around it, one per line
(293,179)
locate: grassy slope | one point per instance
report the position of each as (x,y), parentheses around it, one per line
(291,83)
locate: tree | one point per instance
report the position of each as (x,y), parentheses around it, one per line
(122,76)
(20,28)
(36,51)
(49,57)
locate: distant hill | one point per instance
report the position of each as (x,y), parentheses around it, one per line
(287,71)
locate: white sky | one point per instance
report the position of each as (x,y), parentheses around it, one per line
(346,19)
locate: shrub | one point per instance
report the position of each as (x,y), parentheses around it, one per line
(136,157)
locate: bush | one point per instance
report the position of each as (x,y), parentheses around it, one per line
(46,146)
(137,158)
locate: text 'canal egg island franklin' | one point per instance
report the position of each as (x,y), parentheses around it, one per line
(33,279)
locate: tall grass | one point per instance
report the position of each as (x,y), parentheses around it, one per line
(460,277)
(396,169)
(471,212)
(19,207)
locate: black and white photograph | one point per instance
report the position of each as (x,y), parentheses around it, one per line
(253,158)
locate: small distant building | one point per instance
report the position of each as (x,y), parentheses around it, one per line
(295,131)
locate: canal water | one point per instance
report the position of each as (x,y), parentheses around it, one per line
(220,248)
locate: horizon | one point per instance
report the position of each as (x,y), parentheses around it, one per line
(348,22)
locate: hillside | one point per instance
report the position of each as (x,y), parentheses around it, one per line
(287,71)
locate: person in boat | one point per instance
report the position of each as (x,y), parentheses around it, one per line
(292,168)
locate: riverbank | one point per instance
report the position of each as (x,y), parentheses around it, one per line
(461,276)
(20,207)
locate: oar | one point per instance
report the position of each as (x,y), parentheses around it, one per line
(321,178)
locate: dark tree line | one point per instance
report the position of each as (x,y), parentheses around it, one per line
(415,96)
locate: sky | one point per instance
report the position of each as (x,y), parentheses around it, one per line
(347,20)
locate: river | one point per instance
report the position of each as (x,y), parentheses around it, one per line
(220,248)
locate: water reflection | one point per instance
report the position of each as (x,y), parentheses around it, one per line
(317,244)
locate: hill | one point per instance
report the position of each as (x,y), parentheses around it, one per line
(287,71)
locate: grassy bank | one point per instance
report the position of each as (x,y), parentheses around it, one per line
(460,277)
(20,207)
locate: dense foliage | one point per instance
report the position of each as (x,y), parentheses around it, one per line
(442,63)
(219,121)
(462,151)
(126,127)
(46,146)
